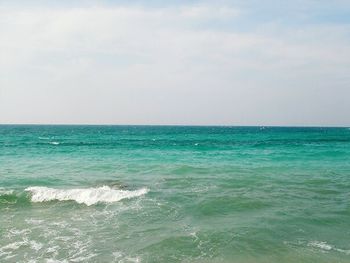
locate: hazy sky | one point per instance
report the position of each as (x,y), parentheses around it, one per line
(181,62)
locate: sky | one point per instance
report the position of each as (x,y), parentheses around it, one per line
(248,62)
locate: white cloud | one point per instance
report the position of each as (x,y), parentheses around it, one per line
(163,65)
(208,12)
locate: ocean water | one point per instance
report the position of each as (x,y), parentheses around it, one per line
(174,194)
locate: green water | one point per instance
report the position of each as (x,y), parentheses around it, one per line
(174,194)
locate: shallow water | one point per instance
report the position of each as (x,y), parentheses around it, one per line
(174,194)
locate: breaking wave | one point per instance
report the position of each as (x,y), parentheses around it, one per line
(324,246)
(88,196)
(5,192)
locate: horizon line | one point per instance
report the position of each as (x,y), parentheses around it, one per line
(173,125)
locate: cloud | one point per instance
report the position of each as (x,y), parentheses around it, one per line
(182,64)
(208,12)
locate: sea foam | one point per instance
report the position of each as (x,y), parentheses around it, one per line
(88,196)
(5,192)
(327,247)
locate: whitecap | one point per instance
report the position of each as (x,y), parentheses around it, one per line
(13,246)
(321,245)
(33,221)
(133,259)
(52,250)
(88,196)
(5,192)
(35,245)
(54,143)
(327,247)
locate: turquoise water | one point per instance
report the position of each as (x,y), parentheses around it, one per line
(174,194)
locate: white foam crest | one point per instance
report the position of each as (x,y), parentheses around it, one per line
(35,245)
(327,247)
(6,192)
(88,196)
(33,221)
(321,245)
(12,246)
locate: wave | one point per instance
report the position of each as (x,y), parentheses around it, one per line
(5,192)
(88,196)
(324,246)
(10,197)
(320,245)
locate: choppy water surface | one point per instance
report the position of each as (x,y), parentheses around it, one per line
(174,194)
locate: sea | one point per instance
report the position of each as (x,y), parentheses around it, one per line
(88,193)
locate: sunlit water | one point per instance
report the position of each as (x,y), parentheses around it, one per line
(174,194)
